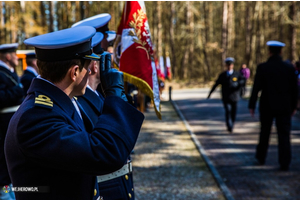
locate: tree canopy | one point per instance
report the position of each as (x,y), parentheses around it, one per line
(198,35)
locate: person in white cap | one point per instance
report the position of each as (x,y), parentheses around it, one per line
(30,72)
(11,96)
(47,147)
(277,82)
(231,82)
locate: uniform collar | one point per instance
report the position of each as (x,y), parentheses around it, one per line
(95,100)
(47,88)
(32,70)
(6,66)
(95,91)
(230,72)
(275,57)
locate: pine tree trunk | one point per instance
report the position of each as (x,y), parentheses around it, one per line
(172,40)
(248,28)
(50,4)
(293,38)
(224,32)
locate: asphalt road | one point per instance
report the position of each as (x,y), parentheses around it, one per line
(233,154)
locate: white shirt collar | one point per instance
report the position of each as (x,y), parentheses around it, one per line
(31,69)
(6,66)
(230,72)
(95,91)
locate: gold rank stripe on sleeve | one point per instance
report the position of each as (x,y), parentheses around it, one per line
(43,100)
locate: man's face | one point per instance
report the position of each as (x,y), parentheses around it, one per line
(230,67)
(82,80)
(13,59)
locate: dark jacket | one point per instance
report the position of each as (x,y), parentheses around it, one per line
(47,145)
(117,188)
(231,85)
(277,82)
(11,94)
(26,80)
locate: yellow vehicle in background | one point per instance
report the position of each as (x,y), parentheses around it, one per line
(22,61)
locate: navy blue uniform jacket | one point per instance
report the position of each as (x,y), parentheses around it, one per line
(231,85)
(277,82)
(117,188)
(47,146)
(92,105)
(11,94)
(26,79)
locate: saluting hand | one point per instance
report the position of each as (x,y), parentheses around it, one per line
(112,81)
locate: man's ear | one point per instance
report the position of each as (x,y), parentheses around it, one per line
(7,56)
(93,67)
(73,72)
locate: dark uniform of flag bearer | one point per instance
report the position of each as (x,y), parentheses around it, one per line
(30,72)
(11,96)
(47,146)
(119,184)
(231,82)
(277,82)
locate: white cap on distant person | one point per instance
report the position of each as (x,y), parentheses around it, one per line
(229,60)
(273,43)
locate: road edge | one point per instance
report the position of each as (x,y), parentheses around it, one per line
(201,150)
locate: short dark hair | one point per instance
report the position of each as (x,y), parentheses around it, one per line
(29,61)
(56,71)
(275,50)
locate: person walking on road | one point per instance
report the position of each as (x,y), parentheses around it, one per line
(277,82)
(231,82)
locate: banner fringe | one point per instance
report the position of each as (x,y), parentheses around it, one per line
(144,87)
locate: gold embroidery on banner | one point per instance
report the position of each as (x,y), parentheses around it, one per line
(137,25)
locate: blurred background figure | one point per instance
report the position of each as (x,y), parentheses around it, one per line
(11,96)
(31,71)
(297,67)
(245,72)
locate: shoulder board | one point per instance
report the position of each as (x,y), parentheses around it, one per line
(43,101)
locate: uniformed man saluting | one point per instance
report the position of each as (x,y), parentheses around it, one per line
(11,96)
(277,82)
(231,82)
(119,184)
(47,146)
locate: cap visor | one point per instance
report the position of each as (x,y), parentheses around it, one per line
(91,57)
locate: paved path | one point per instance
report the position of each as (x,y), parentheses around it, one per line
(166,163)
(233,154)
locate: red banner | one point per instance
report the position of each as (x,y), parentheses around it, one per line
(133,51)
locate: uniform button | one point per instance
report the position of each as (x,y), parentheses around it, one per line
(126,177)
(95,192)
(129,195)
(132,189)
